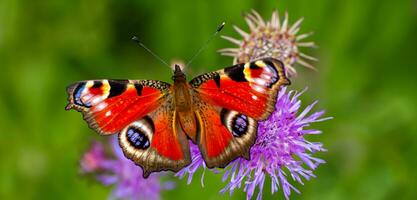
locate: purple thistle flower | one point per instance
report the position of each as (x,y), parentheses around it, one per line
(280,150)
(121,172)
(196,162)
(93,158)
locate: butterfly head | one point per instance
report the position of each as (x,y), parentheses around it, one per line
(178,74)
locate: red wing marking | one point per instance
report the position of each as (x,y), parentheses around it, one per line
(214,136)
(121,110)
(165,140)
(238,96)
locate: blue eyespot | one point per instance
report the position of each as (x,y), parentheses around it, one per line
(240,125)
(137,138)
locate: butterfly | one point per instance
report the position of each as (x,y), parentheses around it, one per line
(219,111)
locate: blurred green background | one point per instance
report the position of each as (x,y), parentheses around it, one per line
(367,81)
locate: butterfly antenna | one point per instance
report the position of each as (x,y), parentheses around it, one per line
(219,28)
(136,39)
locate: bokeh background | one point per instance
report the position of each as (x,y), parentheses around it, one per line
(367,80)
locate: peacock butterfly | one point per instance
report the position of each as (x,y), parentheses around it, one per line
(154,120)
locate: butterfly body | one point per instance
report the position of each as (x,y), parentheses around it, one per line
(183,104)
(218,111)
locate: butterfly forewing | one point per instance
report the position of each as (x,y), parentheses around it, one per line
(110,105)
(249,88)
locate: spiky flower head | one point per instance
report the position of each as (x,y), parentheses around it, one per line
(270,39)
(280,151)
(115,169)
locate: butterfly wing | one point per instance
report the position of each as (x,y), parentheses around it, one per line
(223,134)
(249,88)
(230,102)
(110,105)
(141,112)
(156,142)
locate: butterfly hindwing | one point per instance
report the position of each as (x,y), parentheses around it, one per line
(156,142)
(231,101)
(223,134)
(110,105)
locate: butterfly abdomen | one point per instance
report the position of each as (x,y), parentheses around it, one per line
(183,106)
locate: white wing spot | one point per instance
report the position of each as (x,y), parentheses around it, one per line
(96,100)
(108,113)
(258,88)
(101,106)
(260,81)
(86,98)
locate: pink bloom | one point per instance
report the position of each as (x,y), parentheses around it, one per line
(121,172)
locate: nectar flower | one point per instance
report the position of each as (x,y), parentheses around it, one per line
(119,171)
(280,150)
(196,162)
(93,158)
(270,39)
